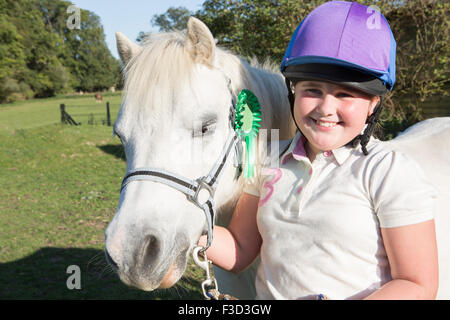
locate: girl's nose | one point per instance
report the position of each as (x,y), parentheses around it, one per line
(327,105)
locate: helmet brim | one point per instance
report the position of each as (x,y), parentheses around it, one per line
(347,77)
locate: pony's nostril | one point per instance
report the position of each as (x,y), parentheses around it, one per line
(152,249)
(110,260)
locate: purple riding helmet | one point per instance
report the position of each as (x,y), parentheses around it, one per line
(345,43)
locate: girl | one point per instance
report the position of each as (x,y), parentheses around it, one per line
(333,218)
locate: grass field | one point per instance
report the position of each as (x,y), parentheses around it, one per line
(59,190)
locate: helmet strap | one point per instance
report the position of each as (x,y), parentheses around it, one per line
(364,138)
(291,99)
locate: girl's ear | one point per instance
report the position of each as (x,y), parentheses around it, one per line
(373,103)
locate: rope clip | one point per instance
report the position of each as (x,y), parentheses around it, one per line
(210,283)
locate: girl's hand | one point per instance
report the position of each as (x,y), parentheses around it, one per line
(236,247)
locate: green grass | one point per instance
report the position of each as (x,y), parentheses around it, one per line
(42,112)
(59,190)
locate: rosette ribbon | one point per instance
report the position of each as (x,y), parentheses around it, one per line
(247,124)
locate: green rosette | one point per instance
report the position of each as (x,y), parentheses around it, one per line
(247,124)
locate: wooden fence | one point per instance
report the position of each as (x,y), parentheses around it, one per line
(65,117)
(91,118)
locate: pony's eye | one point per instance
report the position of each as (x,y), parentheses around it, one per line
(208,129)
(205,130)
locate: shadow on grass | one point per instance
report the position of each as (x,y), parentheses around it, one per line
(114,149)
(42,275)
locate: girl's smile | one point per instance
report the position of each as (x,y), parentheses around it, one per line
(325,125)
(330,115)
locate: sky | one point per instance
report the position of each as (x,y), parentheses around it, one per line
(131,16)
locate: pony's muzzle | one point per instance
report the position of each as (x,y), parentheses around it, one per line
(110,260)
(151,250)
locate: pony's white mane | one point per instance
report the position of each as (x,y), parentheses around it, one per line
(149,78)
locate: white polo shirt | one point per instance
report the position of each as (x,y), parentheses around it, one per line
(320,222)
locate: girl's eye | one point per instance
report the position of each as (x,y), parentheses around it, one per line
(344,95)
(313,91)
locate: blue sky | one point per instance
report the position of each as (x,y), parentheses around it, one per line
(130,16)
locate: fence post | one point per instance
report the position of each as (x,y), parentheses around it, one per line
(108,115)
(65,117)
(62,107)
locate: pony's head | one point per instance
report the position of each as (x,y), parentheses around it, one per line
(174,116)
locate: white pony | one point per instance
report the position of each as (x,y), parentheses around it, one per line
(174,116)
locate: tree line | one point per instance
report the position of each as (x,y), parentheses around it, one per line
(262,29)
(40,56)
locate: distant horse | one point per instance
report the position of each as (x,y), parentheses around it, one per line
(98,97)
(176,107)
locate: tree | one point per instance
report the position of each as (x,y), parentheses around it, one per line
(172,19)
(262,29)
(87,56)
(423,44)
(142,36)
(12,63)
(40,56)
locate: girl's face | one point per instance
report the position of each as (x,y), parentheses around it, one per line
(330,115)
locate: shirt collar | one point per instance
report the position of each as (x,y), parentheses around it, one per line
(297,151)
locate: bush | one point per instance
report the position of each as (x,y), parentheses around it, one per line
(11,90)
(421,30)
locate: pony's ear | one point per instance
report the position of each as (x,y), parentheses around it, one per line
(127,48)
(200,44)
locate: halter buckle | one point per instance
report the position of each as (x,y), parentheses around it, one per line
(202,185)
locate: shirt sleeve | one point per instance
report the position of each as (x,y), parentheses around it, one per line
(401,193)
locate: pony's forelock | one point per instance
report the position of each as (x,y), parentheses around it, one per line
(149,76)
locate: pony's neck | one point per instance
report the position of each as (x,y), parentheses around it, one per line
(266,82)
